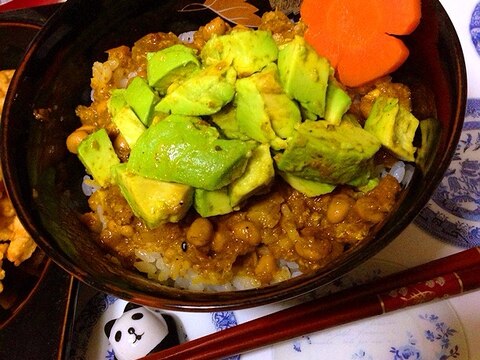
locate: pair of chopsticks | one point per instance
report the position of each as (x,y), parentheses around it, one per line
(437,279)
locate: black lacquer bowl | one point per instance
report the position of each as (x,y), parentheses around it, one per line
(20,281)
(44,180)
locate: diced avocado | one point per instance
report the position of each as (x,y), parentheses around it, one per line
(226,121)
(258,175)
(304,74)
(129,125)
(252,119)
(97,155)
(154,201)
(117,101)
(264,112)
(212,202)
(189,151)
(284,113)
(309,188)
(170,65)
(337,102)
(248,51)
(142,99)
(330,154)
(430,130)
(203,93)
(394,126)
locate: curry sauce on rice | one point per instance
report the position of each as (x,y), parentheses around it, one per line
(281,227)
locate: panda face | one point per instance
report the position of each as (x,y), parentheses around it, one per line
(136,333)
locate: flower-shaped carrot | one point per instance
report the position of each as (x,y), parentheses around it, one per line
(358,36)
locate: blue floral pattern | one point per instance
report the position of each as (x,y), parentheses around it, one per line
(223,320)
(441,333)
(475,28)
(453,213)
(408,351)
(438,332)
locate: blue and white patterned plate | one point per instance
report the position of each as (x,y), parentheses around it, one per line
(453,212)
(431,331)
(475,28)
(428,332)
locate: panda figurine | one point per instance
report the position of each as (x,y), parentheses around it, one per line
(140,331)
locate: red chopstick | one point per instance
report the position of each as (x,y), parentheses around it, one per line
(23,4)
(434,280)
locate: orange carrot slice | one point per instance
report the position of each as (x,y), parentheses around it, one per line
(356,35)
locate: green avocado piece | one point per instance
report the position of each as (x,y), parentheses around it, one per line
(430,130)
(329,154)
(307,187)
(264,112)
(142,99)
(203,93)
(212,202)
(170,65)
(337,102)
(154,201)
(304,75)
(117,101)
(248,51)
(226,121)
(252,119)
(394,126)
(258,175)
(129,125)
(97,155)
(189,151)
(283,112)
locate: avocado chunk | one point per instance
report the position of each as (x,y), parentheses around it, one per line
(337,102)
(170,65)
(189,151)
(430,130)
(304,75)
(226,121)
(394,126)
(264,112)
(129,125)
(258,175)
(203,93)
(154,201)
(248,51)
(142,99)
(283,112)
(330,154)
(97,155)
(212,202)
(117,101)
(252,119)
(307,187)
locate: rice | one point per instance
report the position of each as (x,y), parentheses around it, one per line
(153,265)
